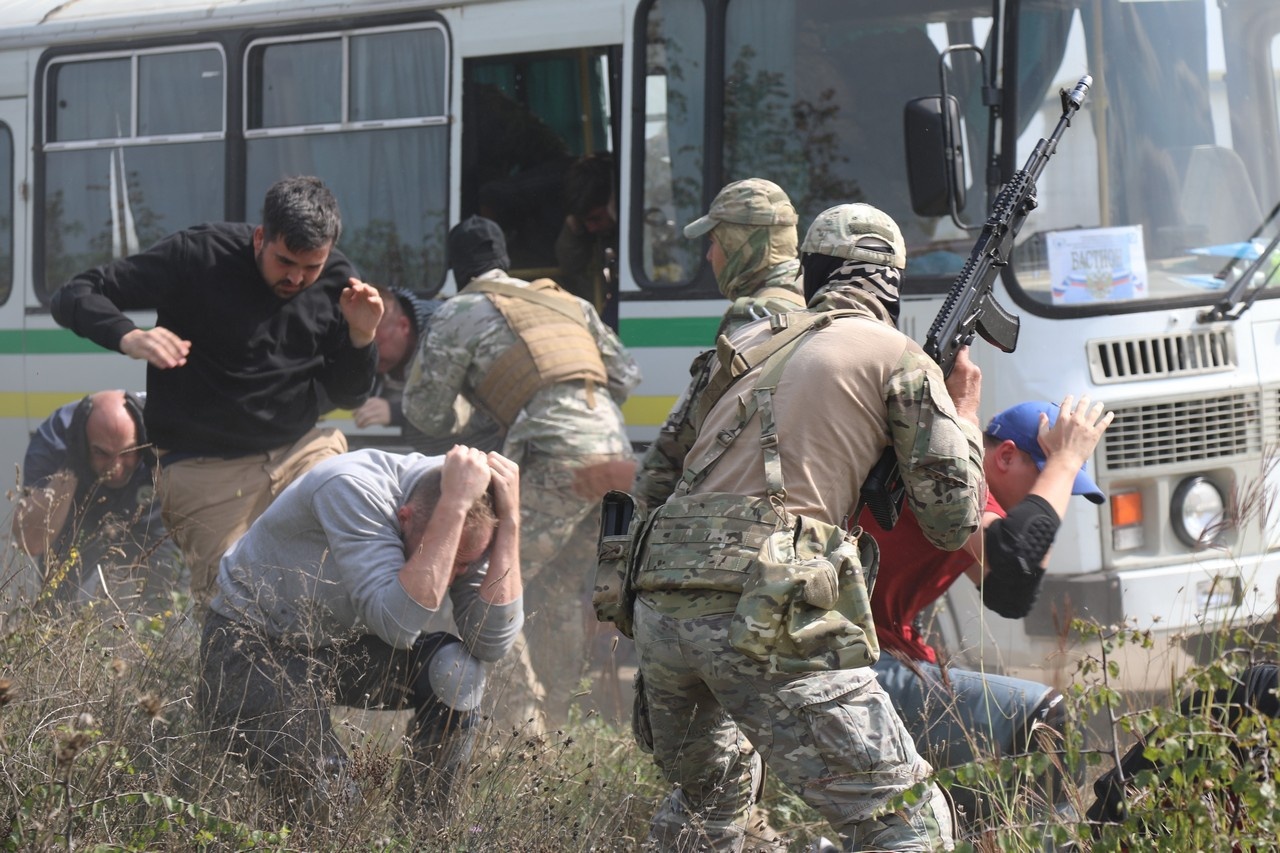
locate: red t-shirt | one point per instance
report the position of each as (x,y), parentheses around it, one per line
(913,575)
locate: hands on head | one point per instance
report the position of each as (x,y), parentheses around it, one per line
(469,473)
(1077,430)
(505,479)
(466,474)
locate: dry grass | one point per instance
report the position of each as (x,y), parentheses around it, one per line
(100,748)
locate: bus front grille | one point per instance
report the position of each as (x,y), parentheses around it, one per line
(1220,428)
(1172,354)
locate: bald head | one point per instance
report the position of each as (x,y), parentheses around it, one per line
(112,438)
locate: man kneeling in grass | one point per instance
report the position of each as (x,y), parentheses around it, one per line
(332,593)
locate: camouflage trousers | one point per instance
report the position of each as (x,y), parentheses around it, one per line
(559,529)
(832,737)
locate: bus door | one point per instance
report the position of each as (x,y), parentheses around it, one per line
(527,119)
(13,226)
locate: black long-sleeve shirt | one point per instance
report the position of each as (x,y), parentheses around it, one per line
(256,361)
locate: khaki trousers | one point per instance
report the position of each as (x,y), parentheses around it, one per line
(208,502)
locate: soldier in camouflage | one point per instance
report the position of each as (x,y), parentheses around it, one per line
(752,230)
(405,320)
(851,388)
(543,364)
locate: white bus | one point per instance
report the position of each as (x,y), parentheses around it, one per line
(122,121)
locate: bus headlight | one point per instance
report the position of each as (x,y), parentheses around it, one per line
(1197,512)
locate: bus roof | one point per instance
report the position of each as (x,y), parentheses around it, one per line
(24,23)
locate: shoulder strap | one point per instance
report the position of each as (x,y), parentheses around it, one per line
(734,364)
(774,353)
(568,307)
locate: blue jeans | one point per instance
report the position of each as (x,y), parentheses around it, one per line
(962,716)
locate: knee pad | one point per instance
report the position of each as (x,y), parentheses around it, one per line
(1051,711)
(457,679)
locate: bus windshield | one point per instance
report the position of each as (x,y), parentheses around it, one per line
(1161,184)
(1164,188)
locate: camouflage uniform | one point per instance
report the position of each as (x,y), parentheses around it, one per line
(832,736)
(482,432)
(565,440)
(755,224)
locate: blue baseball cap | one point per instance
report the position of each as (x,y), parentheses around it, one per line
(1021,425)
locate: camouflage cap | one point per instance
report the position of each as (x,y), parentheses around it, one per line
(754,201)
(858,232)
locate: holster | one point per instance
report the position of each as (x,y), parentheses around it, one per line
(614,595)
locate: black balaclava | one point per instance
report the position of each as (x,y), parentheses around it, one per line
(476,245)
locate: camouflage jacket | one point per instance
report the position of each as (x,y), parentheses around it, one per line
(466,335)
(663,463)
(849,391)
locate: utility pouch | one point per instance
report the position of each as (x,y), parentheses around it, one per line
(613,596)
(806,605)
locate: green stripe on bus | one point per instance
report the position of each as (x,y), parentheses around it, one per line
(697,332)
(45,342)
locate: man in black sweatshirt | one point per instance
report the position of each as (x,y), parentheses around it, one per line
(250,323)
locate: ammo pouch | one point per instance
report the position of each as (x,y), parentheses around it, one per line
(613,595)
(799,589)
(806,605)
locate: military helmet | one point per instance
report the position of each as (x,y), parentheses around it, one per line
(857,232)
(754,201)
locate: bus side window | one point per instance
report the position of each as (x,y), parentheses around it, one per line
(126,163)
(671,195)
(6,213)
(383,146)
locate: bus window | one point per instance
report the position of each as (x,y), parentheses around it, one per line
(133,149)
(1169,169)
(1275,78)
(383,147)
(674,121)
(526,119)
(6,213)
(814,94)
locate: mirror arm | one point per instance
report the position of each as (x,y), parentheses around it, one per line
(948,141)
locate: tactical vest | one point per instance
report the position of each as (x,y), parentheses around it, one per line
(553,344)
(799,588)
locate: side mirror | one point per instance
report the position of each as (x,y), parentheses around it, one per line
(935,156)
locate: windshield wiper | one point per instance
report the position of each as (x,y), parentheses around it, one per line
(1231,305)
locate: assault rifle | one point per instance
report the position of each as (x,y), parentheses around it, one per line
(970,307)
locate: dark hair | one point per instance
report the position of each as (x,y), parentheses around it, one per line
(304,212)
(426,494)
(589,184)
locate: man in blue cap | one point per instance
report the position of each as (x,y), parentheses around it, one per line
(1034,460)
